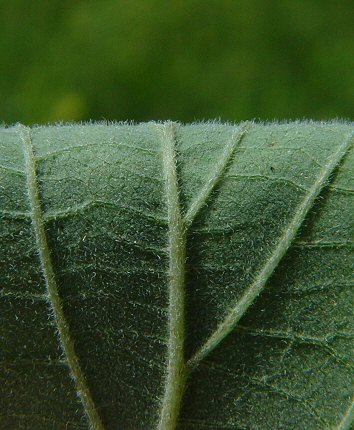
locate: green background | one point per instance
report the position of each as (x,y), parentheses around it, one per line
(180,60)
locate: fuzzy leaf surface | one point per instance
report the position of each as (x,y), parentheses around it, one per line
(220,252)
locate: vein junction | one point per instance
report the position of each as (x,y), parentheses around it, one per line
(177,371)
(66,340)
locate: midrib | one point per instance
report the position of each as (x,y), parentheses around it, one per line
(175,376)
(177,369)
(66,340)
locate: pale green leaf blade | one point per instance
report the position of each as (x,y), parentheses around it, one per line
(120,206)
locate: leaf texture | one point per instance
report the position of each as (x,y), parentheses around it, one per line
(167,276)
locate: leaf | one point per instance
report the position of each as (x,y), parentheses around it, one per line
(176,276)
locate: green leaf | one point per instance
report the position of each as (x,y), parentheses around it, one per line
(176,276)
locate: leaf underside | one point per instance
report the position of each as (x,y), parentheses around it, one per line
(169,276)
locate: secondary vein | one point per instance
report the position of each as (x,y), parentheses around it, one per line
(220,167)
(66,340)
(348,419)
(261,278)
(176,375)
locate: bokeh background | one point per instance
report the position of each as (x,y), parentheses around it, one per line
(175,59)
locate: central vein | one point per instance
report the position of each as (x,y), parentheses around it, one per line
(178,225)
(175,374)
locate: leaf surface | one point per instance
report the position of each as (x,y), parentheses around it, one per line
(176,276)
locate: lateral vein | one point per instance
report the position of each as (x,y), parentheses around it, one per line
(260,280)
(220,167)
(67,343)
(348,418)
(176,375)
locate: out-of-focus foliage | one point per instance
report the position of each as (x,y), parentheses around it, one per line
(185,59)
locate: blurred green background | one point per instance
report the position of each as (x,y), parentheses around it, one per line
(180,60)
